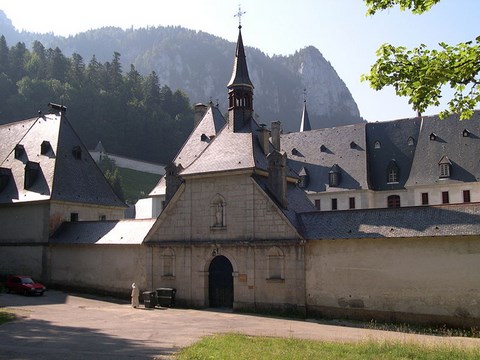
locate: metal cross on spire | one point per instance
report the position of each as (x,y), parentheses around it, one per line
(239,14)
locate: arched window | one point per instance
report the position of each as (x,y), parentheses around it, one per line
(168,262)
(410,141)
(377,145)
(393,201)
(275,263)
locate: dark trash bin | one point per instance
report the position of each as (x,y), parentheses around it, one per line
(149,299)
(166,297)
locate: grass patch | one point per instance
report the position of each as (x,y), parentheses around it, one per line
(238,347)
(444,330)
(7,315)
(137,184)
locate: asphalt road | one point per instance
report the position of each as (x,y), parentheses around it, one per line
(63,326)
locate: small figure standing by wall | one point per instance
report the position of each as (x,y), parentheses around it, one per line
(135,295)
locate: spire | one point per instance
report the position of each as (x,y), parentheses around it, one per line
(240,89)
(305,124)
(240,71)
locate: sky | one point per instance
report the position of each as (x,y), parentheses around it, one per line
(342,32)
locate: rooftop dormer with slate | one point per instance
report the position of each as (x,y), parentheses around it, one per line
(46,160)
(317,152)
(391,148)
(449,157)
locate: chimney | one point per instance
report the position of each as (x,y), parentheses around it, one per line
(264,138)
(276,130)
(277,176)
(173,180)
(199,112)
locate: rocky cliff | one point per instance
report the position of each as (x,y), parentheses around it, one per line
(200,64)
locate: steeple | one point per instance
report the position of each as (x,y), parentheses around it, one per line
(240,89)
(305,124)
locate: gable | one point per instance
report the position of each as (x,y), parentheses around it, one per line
(223,208)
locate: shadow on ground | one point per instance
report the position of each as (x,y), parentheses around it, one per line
(37,339)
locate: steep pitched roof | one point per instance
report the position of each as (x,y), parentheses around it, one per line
(240,70)
(231,151)
(450,140)
(305,124)
(120,232)
(418,221)
(316,151)
(28,134)
(204,133)
(387,141)
(52,145)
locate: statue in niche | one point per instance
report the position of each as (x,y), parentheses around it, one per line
(219,215)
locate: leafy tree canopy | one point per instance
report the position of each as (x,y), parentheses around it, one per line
(421,73)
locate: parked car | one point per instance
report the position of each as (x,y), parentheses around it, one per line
(24,285)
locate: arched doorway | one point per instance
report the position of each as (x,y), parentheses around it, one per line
(220,283)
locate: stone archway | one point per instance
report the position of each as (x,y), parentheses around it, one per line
(220,283)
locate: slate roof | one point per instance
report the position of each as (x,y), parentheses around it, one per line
(463,152)
(418,221)
(61,176)
(202,135)
(240,71)
(231,151)
(305,123)
(120,232)
(297,202)
(344,146)
(393,139)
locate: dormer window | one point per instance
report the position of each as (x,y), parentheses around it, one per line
(32,170)
(392,172)
(5,175)
(444,167)
(353,145)
(410,141)
(334,176)
(45,147)
(433,136)
(295,151)
(19,151)
(466,133)
(377,145)
(77,152)
(204,138)
(303,178)
(323,148)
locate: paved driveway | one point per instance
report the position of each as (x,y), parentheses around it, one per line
(62,326)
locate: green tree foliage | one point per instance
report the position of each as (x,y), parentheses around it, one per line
(421,73)
(111,173)
(133,115)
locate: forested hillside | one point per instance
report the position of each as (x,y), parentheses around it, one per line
(132,114)
(200,64)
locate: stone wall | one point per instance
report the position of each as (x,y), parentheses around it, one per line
(24,223)
(22,260)
(108,269)
(421,280)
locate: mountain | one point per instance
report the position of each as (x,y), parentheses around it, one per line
(200,64)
